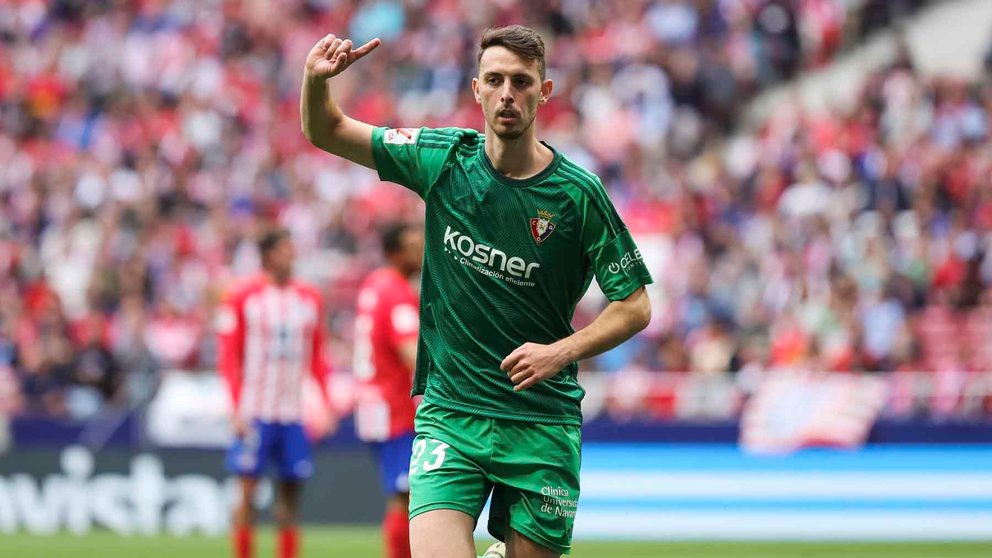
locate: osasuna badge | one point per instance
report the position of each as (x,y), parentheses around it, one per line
(541,226)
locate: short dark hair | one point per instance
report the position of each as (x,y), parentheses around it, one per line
(392,237)
(522,41)
(270,238)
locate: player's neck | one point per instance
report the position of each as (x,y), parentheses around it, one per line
(399,270)
(519,158)
(278,279)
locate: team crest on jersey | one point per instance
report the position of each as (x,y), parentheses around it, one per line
(541,226)
(400,136)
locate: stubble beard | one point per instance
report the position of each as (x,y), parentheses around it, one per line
(509,134)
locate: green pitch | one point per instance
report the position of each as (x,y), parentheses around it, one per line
(363,542)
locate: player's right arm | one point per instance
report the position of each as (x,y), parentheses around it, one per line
(412,157)
(408,354)
(323,121)
(404,324)
(230,359)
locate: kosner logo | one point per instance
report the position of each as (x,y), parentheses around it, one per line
(488,256)
(143,501)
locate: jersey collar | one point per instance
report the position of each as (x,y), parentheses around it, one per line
(520,182)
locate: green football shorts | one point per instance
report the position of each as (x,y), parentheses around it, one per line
(532,470)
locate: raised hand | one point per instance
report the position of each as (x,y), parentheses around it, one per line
(331,56)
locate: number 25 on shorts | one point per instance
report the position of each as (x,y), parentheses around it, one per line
(433,460)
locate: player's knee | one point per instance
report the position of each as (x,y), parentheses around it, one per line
(243,514)
(244,510)
(520,546)
(442,534)
(284,515)
(400,501)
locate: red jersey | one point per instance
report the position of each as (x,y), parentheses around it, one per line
(270,337)
(387,318)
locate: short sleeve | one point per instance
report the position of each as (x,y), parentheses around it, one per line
(615,258)
(411,157)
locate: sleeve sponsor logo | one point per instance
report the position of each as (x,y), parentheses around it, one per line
(624,263)
(401,136)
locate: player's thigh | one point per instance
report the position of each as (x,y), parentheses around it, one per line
(394,463)
(249,454)
(442,533)
(447,463)
(294,454)
(447,493)
(287,501)
(442,477)
(541,506)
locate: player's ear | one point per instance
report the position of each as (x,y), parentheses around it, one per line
(475,90)
(546,87)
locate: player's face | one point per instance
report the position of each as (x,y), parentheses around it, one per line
(509,88)
(413,251)
(281,258)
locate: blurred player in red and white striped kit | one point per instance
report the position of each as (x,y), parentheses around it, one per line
(385,357)
(271,338)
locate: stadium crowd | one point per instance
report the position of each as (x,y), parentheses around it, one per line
(143,144)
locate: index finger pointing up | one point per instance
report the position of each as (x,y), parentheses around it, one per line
(365,49)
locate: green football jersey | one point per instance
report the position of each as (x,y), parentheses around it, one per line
(505,263)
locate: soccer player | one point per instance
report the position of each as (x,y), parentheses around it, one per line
(385,356)
(271,336)
(515,232)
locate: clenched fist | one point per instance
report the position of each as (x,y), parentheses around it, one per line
(531,363)
(331,55)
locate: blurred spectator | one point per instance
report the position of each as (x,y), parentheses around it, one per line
(96,367)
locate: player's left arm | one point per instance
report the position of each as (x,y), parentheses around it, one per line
(327,422)
(613,256)
(404,323)
(318,366)
(408,354)
(620,320)
(230,359)
(231,353)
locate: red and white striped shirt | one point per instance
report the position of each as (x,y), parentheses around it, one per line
(271,336)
